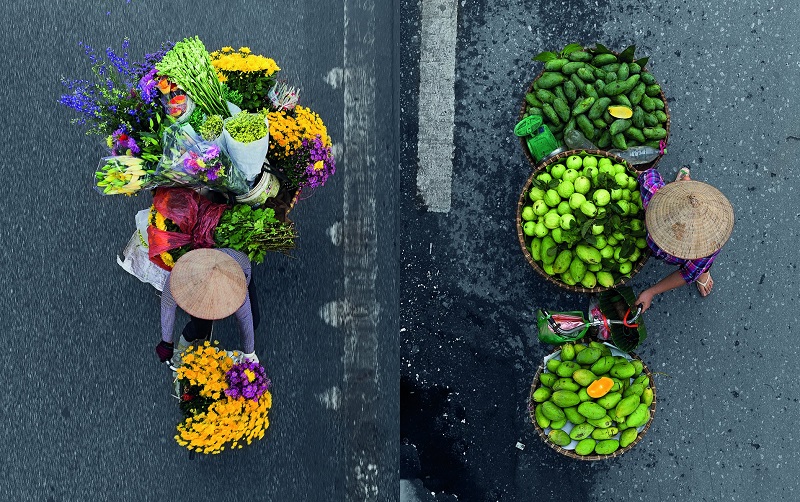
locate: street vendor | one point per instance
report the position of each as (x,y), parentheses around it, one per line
(687,224)
(208,284)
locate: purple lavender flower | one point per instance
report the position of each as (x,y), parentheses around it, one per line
(248,380)
(315,163)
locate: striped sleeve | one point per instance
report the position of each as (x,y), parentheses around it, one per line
(691,270)
(650,182)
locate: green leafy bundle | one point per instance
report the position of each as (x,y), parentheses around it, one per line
(189,65)
(254,232)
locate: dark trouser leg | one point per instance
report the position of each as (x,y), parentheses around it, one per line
(251,289)
(197,329)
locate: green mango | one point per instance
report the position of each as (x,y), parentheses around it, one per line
(585,446)
(548,257)
(561,264)
(577,269)
(639,367)
(558,424)
(607,433)
(552,365)
(647,396)
(584,377)
(639,417)
(622,370)
(573,415)
(635,389)
(588,356)
(603,422)
(566,384)
(606,447)
(541,420)
(559,437)
(565,398)
(626,406)
(567,368)
(548,80)
(579,347)
(547,379)
(583,395)
(591,410)
(603,365)
(567,352)
(580,432)
(588,254)
(610,400)
(618,386)
(541,394)
(555,64)
(552,411)
(627,437)
(644,380)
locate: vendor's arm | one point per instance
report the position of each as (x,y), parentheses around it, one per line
(672,281)
(168,308)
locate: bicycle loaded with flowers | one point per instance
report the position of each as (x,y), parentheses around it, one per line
(225,149)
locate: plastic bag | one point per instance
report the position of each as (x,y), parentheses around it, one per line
(196,216)
(247,157)
(136,260)
(567,320)
(188,160)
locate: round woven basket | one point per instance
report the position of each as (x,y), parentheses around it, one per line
(524,240)
(571,453)
(533,162)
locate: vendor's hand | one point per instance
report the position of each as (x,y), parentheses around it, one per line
(164,351)
(645,299)
(252,357)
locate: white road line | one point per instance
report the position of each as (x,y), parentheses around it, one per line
(358,312)
(437,69)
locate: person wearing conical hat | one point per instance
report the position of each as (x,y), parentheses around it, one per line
(687,223)
(208,284)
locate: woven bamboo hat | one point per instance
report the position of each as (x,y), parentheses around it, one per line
(208,284)
(689,219)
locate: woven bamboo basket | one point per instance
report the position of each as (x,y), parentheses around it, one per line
(571,453)
(524,240)
(533,161)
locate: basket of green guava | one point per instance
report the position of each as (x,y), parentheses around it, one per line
(580,221)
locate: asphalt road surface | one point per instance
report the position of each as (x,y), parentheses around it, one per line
(726,365)
(87,412)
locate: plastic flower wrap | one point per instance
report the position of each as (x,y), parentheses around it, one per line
(225,403)
(121,174)
(189,160)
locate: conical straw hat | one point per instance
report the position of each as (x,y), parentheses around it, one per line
(689,219)
(208,284)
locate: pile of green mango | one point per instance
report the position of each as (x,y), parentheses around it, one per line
(600,426)
(583,221)
(577,87)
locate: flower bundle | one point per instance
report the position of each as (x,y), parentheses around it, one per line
(121,174)
(225,403)
(161,222)
(136,105)
(252,75)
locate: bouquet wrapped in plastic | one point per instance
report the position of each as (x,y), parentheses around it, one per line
(191,161)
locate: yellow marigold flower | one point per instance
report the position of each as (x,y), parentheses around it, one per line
(245,50)
(227,49)
(167,258)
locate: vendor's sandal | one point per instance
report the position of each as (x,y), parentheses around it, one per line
(705,287)
(683,174)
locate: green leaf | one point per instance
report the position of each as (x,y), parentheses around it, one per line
(545,56)
(569,49)
(591,239)
(585,228)
(616,208)
(552,251)
(627,54)
(601,49)
(626,250)
(642,62)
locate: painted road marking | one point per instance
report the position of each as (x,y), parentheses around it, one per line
(358,313)
(437,73)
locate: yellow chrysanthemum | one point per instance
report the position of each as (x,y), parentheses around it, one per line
(288,130)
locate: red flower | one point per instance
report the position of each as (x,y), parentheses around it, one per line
(122,137)
(186,397)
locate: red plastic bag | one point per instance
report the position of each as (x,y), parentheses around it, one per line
(196,216)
